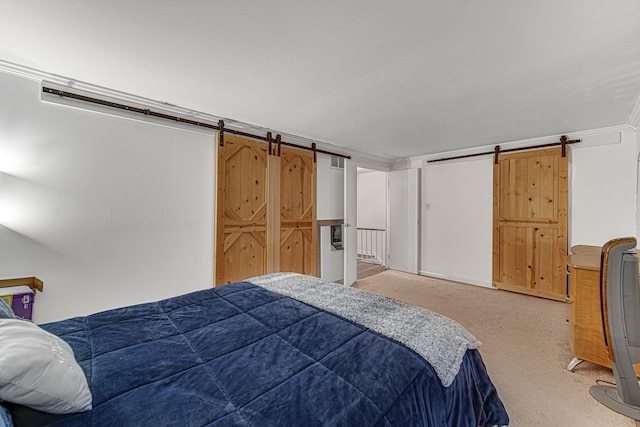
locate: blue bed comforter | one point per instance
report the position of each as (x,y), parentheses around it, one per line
(243,355)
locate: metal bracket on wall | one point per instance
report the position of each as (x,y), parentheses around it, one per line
(221,130)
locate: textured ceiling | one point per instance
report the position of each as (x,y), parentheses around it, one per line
(391,78)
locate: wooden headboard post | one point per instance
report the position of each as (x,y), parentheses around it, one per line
(32,282)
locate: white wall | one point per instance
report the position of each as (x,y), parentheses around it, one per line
(637,156)
(330,205)
(457,215)
(372,199)
(603,190)
(404,220)
(457,229)
(106,211)
(330,189)
(332,260)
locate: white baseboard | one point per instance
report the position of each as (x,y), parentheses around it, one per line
(457,279)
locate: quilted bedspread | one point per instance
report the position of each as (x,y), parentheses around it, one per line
(241,354)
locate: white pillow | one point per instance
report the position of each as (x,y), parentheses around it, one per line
(38,369)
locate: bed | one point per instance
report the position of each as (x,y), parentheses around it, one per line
(275,350)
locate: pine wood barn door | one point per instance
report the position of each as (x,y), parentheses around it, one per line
(242,205)
(298,221)
(530,199)
(265,211)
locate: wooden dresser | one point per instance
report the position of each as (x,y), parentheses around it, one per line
(586,336)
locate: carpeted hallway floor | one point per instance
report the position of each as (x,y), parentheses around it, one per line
(525,348)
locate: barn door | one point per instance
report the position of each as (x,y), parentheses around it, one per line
(298,223)
(265,211)
(530,198)
(242,206)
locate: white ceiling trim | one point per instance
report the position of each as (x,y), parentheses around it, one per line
(29,73)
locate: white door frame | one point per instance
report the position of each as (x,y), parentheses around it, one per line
(350,226)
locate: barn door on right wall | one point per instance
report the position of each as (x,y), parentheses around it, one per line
(530,198)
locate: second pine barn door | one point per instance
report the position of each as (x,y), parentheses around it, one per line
(530,199)
(265,210)
(298,221)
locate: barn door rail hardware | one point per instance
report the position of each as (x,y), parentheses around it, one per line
(147,112)
(497,151)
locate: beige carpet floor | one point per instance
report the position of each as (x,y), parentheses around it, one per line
(525,348)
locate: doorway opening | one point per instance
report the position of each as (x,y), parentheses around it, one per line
(372,241)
